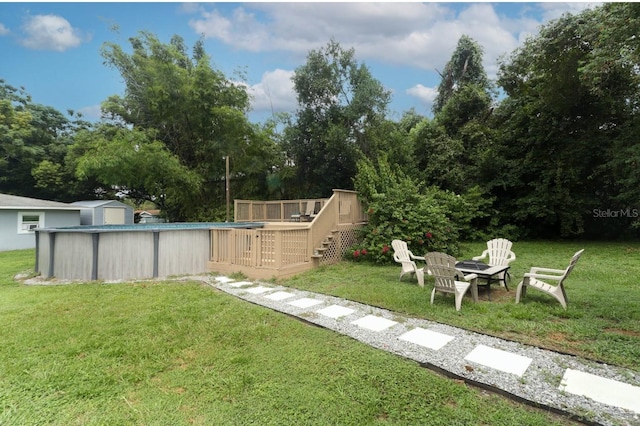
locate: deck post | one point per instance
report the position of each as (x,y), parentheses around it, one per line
(278,250)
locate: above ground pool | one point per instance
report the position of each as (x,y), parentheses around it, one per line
(124,252)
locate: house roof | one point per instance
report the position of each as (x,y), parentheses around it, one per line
(95,203)
(148,212)
(13,202)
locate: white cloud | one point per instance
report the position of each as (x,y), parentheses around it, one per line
(421,35)
(553,10)
(3,30)
(426,95)
(242,30)
(274,93)
(416,36)
(50,32)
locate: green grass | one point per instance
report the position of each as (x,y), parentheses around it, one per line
(182,353)
(602,321)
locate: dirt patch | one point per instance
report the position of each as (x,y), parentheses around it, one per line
(558,337)
(629,333)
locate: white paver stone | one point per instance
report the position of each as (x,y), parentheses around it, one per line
(305,302)
(336,311)
(601,389)
(427,338)
(374,323)
(280,295)
(499,359)
(241,284)
(259,290)
(224,280)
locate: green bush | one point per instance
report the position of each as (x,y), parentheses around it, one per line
(427,218)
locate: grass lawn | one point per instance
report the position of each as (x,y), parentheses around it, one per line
(602,321)
(182,353)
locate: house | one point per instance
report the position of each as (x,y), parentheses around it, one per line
(104,212)
(148,216)
(19,216)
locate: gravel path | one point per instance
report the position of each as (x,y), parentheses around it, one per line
(541,384)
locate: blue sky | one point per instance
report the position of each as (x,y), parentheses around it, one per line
(53,49)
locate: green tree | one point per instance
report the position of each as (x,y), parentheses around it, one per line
(131,162)
(33,143)
(458,137)
(439,157)
(561,133)
(463,69)
(339,103)
(196,112)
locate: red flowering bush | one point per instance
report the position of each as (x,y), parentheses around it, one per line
(427,218)
(358,254)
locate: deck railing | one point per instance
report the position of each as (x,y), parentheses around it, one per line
(274,211)
(283,247)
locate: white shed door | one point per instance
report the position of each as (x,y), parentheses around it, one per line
(114,216)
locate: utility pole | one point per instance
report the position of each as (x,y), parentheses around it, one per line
(227,185)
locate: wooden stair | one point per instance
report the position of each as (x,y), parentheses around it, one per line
(318,252)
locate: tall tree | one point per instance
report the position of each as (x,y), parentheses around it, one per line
(569,105)
(463,69)
(339,102)
(458,135)
(194,110)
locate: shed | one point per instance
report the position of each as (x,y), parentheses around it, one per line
(104,212)
(19,216)
(149,216)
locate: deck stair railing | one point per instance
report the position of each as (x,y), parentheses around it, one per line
(282,247)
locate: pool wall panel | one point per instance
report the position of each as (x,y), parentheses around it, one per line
(125,255)
(183,252)
(43,254)
(73,256)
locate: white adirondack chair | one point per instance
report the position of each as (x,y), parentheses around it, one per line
(443,268)
(407,261)
(498,253)
(534,278)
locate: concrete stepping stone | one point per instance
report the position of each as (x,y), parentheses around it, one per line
(499,359)
(426,338)
(374,323)
(259,290)
(280,295)
(224,280)
(305,302)
(240,284)
(601,389)
(335,311)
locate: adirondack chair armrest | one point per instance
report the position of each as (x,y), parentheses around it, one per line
(482,256)
(536,270)
(470,277)
(511,257)
(544,276)
(418,257)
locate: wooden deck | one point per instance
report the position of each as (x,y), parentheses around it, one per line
(285,246)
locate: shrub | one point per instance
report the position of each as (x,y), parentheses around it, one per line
(427,218)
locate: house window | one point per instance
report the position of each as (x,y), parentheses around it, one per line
(28,221)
